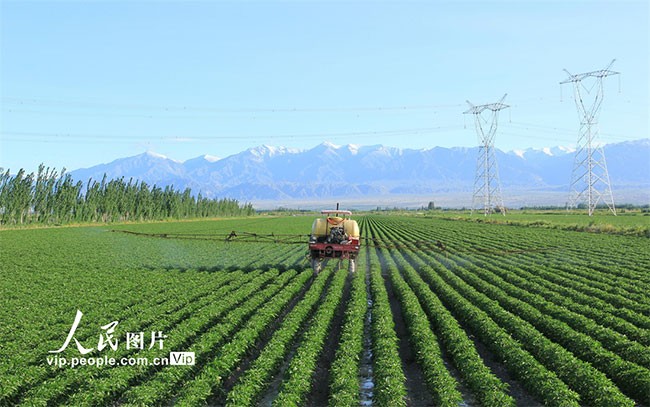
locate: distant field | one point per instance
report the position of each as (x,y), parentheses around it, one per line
(627,222)
(440,311)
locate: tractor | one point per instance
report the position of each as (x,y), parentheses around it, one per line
(335,236)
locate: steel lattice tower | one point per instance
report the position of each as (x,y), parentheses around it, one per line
(487,189)
(589,178)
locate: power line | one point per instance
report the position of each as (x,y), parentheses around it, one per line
(168,108)
(90,137)
(191,115)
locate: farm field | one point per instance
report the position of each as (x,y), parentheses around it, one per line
(627,222)
(439,312)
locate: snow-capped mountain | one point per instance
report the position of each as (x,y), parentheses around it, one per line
(550,151)
(328,170)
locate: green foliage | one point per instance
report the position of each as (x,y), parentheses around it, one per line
(465,263)
(441,384)
(344,387)
(631,223)
(253,382)
(230,354)
(565,313)
(389,379)
(298,380)
(51,198)
(489,390)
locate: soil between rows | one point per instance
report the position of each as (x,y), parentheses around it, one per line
(417,392)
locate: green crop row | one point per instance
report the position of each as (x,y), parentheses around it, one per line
(611,302)
(566,314)
(562,280)
(580,293)
(443,387)
(344,386)
(144,319)
(487,388)
(256,377)
(199,334)
(616,256)
(633,379)
(119,377)
(592,384)
(299,374)
(66,298)
(609,266)
(217,370)
(538,380)
(617,343)
(552,321)
(613,269)
(389,379)
(619,260)
(592,308)
(611,293)
(594,387)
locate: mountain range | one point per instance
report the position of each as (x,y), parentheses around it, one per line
(328,171)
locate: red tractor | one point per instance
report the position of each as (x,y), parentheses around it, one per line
(334,237)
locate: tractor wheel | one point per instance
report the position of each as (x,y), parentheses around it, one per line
(353,265)
(316,264)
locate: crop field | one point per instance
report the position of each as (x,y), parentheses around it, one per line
(439,312)
(625,223)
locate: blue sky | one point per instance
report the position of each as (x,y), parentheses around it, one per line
(83,83)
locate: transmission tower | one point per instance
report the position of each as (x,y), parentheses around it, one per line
(487,190)
(589,178)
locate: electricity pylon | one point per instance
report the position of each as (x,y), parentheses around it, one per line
(487,189)
(589,178)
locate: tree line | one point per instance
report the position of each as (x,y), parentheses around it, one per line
(50,197)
